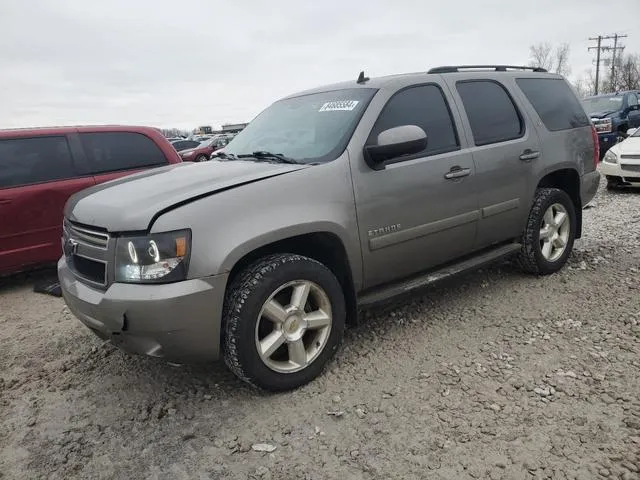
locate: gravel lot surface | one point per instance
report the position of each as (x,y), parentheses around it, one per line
(492,375)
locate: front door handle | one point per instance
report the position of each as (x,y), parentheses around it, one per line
(529,155)
(457,172)
(4,201)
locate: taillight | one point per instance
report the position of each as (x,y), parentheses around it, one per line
(596,146)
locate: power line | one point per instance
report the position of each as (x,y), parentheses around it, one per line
(599,47)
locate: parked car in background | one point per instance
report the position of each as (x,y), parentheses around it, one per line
(342,196)
(612,114)
(41,168)
(183,144)
(203,151)
(621,163)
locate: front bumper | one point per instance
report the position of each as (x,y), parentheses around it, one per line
(177,321)
(606,141)
(627,172)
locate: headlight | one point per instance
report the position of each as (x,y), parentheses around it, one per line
(157,258)
(610,157)
(604,125)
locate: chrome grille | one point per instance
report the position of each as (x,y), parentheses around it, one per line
(631,168)
(94,238)
(630,156)
(87,252)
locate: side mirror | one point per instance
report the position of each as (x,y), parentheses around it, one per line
(395,142)
(631,131)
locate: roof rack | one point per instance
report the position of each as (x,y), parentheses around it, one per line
(497,68)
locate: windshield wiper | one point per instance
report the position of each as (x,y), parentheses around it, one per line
(224,155)
(277,157)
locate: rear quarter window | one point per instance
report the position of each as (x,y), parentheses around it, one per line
(26,161)
(555,103)
(113,151)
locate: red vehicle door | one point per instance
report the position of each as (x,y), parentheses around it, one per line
(37,176)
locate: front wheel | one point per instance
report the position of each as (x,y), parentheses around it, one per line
(201,158)
(284,319)
(548,237)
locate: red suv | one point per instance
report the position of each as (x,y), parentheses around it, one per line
(41,168)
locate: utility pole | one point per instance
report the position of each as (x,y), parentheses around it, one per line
(600,48)
(613,59)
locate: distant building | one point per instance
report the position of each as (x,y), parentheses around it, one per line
(233,127)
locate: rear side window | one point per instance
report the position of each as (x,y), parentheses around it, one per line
(25,161)
(555,103)
(426,107)
(112,151)
(491,112)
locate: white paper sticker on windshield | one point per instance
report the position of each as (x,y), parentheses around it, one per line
(346,105)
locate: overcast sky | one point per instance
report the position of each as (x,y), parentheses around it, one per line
(186,63)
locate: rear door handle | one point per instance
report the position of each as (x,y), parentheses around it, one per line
(457,172)
(4,201)
(529,155)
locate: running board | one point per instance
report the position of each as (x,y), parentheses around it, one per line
(387,292)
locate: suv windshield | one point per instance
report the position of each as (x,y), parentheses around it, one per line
(602,104)
(310,128)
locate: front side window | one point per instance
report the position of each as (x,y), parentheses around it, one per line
(633,100)
(555,103)
(426,107)
(309,128)
(25,161)
(492,115)
(113,151)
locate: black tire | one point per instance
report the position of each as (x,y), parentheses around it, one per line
(531,259)
(244,300)
(613,183)
(201,158)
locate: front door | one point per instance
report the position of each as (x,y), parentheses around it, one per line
(420,210)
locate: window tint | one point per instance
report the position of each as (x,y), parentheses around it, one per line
(555,103)
(426,107)
(25,161)
(111,151)
(491,112)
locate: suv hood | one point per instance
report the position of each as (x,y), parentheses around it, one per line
(131,203)
(602,114)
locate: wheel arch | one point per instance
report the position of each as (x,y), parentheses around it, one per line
(568,180)
(324,246)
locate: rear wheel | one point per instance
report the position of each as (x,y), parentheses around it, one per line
(284,319)
(548,237)
(200,158)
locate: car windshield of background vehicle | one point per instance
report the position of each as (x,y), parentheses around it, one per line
(310,128)
(602,104)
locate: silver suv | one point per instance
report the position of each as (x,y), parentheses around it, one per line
(331,199)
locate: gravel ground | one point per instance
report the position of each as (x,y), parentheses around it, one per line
(492,375)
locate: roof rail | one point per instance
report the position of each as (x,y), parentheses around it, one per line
(497,68)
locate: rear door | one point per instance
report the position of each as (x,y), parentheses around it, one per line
(111,155)
(37,176)
(505,147)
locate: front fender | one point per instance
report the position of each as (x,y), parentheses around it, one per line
(229,225)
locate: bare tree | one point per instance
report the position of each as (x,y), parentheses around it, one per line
(554,60)
(627,74)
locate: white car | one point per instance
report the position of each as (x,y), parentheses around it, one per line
(621,163)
